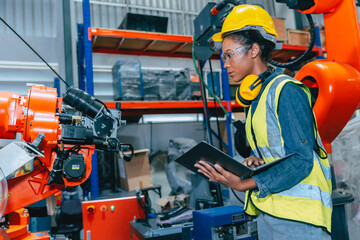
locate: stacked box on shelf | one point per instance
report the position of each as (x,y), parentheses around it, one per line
(195,86)
(183,85)
(127,80)
(167,85)
(132,83)
(279,24)
(298,37)
(151,84)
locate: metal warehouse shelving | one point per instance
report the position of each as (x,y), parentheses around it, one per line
(136,108)
(140,43)
(111,41)
(115,41)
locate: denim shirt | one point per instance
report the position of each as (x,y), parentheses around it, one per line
(296,121)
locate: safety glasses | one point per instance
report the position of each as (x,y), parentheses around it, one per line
(233,55)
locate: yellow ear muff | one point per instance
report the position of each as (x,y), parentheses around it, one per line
(248,90)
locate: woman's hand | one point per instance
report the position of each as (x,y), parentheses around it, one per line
(219,175)
(253,162)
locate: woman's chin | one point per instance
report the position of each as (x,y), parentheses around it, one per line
(235,79)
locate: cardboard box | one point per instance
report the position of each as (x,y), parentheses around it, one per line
(280,28)
(169,202)
(298,37)
(322,34)
(135,173)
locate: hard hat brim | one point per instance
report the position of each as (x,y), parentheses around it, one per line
(218,37)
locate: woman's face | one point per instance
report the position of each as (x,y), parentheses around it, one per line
(236,59)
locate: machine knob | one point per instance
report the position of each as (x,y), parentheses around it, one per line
(91,209)
(103,208)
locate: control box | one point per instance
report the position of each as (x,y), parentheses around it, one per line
(220,223)
(110,218)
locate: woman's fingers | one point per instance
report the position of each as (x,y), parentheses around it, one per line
(253,161)
(258,163)
(205,173)
(203,168)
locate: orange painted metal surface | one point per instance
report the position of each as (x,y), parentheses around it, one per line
(18,229)
(338,81)
(138,34)
(338,97)
(322,6)
(342,34)
(31,115)
(12,107)
(32,187)
(41,117)
(109,218)
(29,188)
(18,220)
(138,108)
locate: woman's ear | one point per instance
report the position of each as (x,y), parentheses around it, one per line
(255,50)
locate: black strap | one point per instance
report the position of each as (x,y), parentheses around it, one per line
(262,77)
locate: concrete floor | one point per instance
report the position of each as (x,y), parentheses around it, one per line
(159,178)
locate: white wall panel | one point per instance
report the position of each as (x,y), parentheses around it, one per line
(37,22)
(29,17)
(14,76)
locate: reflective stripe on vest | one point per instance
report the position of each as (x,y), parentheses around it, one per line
(303,190)
(310,200)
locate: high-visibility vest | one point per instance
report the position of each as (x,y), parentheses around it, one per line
(308,201)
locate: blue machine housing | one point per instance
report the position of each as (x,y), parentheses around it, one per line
(214,217)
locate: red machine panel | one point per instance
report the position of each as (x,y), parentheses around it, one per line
(109,218)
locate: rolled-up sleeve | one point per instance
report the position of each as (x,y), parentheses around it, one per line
(296,121)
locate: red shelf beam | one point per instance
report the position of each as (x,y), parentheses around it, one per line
(138,108)
(138,35)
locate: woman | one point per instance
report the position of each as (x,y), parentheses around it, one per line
(292,200)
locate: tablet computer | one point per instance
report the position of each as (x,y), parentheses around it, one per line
(213,156)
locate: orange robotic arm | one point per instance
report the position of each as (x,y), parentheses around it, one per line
(337,79)
(68,145)
(30,115)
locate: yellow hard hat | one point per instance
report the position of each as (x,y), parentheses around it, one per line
(247,17)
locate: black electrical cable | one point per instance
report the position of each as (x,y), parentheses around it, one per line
(34,51)
(205,105)
(237,197)
(306,53)
(215,106)
(203,82)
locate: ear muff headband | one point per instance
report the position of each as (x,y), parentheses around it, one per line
(250,87)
